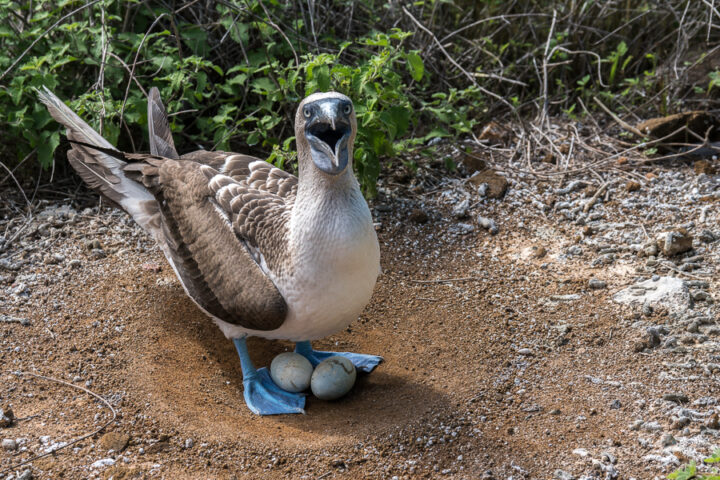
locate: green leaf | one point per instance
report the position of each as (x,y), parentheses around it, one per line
(196,38)
(46,149)
(322,76)
(714,458)
(685,473)
(415,66)
(253,139)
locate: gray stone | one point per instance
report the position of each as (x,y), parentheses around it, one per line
(26,475)
(669,292)
(6,417)
(675,242)
(676,397)
(680,423)
(597,284)
(702,296)
(562,475)
(460,210)
(488,224)
(707,236)
(9,444)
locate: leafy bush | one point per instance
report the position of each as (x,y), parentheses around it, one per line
(223,100)
(689,472)
(233,71)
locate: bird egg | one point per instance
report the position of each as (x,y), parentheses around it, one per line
(333,378)
(291,372)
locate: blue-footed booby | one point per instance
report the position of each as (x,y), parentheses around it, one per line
(262,252)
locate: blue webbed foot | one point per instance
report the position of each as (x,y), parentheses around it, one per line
(263,397)
(261,394)
(362,362)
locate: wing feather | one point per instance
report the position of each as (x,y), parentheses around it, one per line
(217,265)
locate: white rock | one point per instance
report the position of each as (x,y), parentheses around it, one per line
(105,462)
(669,292)
(9,444)
(581,452)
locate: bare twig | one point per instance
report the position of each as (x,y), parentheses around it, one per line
(589,204)
(619,120)
(132,70)
(447,280)
(545,70)
(455,64)
(79,439)
(279,30)
(10,173)
(127,67)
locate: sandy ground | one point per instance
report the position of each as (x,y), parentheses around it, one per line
(501,361)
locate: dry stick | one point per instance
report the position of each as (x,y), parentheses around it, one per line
(132,70)
(452,60)
(594,198)
(17,234)
(585,52)
(463,279)
(621,27)
(671,267)
(79,439)
(101,75)
(705,144)
(709,21)
(274,25)
(500,78)
(678,50)
(619,120)
(19,164)
(127,67)
(52,27)
(17,183)
(489,19)
(545,71)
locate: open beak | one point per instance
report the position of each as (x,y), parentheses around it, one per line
(328,132)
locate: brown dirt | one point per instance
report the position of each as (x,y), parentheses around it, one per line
(476,377)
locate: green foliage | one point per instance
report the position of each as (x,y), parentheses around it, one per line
(689,472)
(233,71)
(235,85)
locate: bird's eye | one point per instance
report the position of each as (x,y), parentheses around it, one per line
(347,109)
(306,112)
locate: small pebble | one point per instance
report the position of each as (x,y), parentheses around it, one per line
(668,440)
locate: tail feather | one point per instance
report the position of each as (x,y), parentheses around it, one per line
(100,165)
(161,141)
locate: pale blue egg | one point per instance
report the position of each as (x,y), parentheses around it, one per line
(291,372)
(333,378)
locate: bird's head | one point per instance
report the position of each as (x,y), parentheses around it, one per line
(325,127)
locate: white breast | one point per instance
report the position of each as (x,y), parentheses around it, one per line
(336,262)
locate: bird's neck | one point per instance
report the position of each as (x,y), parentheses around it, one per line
(328,209)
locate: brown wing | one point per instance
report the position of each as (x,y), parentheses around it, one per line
(214,263)
(251,171)
(259,217)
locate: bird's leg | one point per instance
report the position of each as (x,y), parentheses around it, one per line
(364,363)
(262,396)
